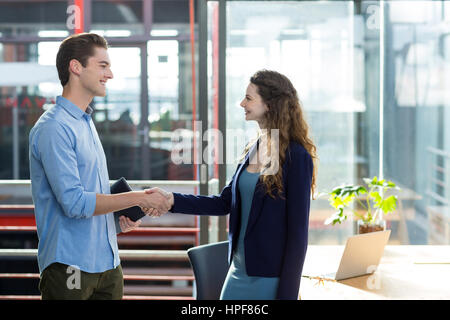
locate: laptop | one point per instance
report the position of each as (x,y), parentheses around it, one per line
(361,256)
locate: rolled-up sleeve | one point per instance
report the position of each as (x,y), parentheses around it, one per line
(54,147)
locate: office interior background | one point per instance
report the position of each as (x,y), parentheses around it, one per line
(373,78)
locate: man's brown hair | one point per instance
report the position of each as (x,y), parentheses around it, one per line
(80,47)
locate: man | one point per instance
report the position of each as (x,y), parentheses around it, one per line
(70,183)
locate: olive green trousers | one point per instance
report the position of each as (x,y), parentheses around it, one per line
(62,282)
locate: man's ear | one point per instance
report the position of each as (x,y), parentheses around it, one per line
(75,66)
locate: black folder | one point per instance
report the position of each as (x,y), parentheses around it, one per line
(134,213)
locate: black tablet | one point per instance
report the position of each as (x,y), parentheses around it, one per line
(134,213)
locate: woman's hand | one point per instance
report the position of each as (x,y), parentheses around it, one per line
(153,203)
(167,195)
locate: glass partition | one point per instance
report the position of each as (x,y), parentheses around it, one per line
(117,115)
(319,47)
(112,18)
(28,86)
(170,107)
(33,18)
(417,117)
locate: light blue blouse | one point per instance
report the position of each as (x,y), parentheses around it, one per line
(238,285)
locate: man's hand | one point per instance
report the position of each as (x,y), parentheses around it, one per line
(167,195)
(126,224)
(154,203)
(151,203)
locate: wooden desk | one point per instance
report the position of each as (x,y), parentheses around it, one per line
(405,272)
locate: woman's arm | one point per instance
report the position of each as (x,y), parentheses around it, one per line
(298,195)
(216,205)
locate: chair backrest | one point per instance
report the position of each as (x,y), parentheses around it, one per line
(210,265)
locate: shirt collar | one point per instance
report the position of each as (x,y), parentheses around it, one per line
(72,109)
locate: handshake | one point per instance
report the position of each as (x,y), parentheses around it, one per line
(155,202)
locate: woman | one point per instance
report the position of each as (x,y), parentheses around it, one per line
(268,198)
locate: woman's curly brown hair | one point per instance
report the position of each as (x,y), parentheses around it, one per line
(285,114)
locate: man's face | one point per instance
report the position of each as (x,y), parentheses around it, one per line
(97,72)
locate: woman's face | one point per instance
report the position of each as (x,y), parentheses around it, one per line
(253,104)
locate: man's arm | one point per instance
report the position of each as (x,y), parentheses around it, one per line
(106,203)
(55,151)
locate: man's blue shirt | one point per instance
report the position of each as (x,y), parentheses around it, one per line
(68,168)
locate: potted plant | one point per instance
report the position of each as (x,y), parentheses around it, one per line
(375,203)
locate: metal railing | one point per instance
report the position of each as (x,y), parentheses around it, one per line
(22,188)
(438,192)
(439,176)
(154,255)
(173,255)
(138,231)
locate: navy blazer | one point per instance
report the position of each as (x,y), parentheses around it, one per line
(276,238)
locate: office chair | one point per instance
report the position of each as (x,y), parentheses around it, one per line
(210,265)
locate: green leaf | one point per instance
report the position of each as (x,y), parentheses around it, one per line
(373,182)
(361,190)
(380,183)
(337,217)
(390,184)
(336,202)
(348,190)
(336,191)
(389,204)
(376,183)
(376,198)
(342,196)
